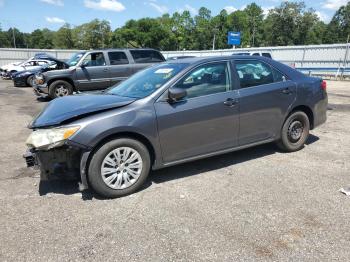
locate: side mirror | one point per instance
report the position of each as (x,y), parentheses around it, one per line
(176,94)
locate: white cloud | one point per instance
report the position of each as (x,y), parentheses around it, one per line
(53,2)
(323,16)
(243,7)
(109,5)
(189,8)
(267,9)
(55,20)
(334,4)
(230,9)
(160,8)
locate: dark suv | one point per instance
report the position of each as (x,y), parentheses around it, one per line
(94,70)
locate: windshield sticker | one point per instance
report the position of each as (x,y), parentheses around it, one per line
(163,71)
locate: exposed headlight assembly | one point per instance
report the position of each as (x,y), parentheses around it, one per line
(39,79)
(49,138)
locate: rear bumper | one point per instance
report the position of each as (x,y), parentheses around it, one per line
(320,111)
(19,81)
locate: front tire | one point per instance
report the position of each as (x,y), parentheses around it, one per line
(119,167)
(60,88)
(295,132)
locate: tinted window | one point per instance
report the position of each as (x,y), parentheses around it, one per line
(205,80)
(278,76)
(94,59)
(146,56)
(253,73)
(256,54)
(266,55)
(118,58)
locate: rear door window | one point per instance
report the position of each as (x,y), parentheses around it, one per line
(253,73)
(118,58)
(278,76)
(146,56)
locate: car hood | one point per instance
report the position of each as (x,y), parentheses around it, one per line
(71,107)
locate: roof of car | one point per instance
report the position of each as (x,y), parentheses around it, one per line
(294,74)
(192,60)
(121,49)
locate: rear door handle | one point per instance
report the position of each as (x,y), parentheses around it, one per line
(105,70)
(286,91)
(231,102)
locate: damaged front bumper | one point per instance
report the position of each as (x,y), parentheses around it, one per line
(41,90)
(66,162)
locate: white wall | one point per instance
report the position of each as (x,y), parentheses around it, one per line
(312,56)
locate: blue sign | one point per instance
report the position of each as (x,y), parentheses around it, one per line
(234,38)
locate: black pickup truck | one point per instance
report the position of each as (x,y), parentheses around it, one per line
(95,70)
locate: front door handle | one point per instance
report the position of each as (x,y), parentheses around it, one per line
(230,102)
(105,70)
(286,91)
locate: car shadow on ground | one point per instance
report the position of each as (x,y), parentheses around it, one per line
(43,99)
(172,173)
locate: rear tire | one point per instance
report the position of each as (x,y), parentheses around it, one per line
(60,88)
(30,80)
(119,167)
(295,132)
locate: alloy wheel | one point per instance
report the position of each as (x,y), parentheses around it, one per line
(61,90)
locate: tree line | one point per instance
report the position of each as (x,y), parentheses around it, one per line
(290,23)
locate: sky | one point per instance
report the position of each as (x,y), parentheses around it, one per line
(28,15)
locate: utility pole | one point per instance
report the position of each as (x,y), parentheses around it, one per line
(214,37)
(14,37)
(214,41)
(346,55)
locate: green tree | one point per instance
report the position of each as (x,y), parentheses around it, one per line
(338,29)
(239,22)
(203,30)
(255,21)
(4,41)
(63,38)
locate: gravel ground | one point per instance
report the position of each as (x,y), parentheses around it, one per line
(253,205)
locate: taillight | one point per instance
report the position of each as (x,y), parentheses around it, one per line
(324,85)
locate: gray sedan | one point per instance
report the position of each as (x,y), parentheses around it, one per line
(173,113)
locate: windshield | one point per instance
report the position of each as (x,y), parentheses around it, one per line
(75,59)
(147,81)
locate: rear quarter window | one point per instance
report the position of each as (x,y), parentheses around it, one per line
(146,56)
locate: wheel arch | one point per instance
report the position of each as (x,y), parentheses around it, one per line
(307,110)
(86,157)
(132,135)
(67,79)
